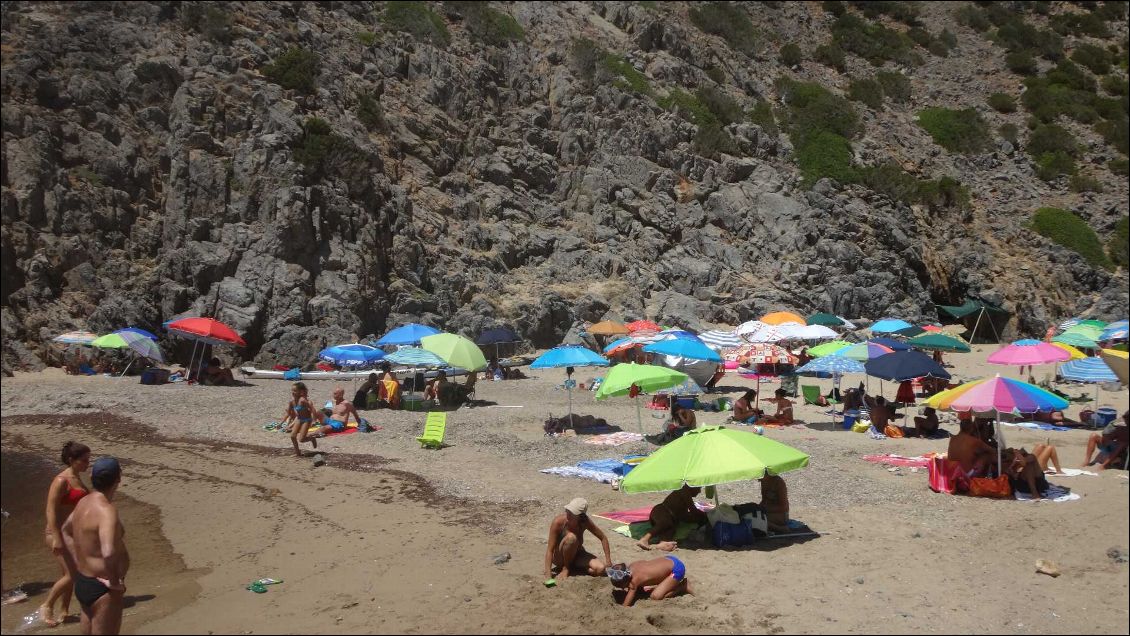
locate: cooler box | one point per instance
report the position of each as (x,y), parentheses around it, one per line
(413,402)
(1104,416)
(849,419)
(686,402)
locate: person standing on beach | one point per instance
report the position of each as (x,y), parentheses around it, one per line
(565,552)
(96,545)
(64,494)
(302,411)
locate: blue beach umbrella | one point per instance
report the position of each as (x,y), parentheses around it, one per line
(569,356)
(904,365)
(891,343)
(1088,370)
(720,339)
(139,331)
(1116,331)
(409,334)
(889,325)
(683,348)
(351,355)
(831,365)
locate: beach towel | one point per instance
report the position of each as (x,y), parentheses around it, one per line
(636,515)
(581,473)
(920,461)
(637,530)
(1073,472)
(1055,493)
(614,439)
(875,434)
(946,476)
(1036,426)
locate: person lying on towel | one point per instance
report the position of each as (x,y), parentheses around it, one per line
(775,501)
(658,578)
(677,507)
(339,416)
(970,451)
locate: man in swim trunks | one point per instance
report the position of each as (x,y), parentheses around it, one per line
(565,552)
(342,410)
(659,578)
(666,517)
(970,451)
(1109,444)
(96,549)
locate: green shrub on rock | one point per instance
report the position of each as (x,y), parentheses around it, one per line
(1070,231)
(955,130)
(418,20)
(1002,103)
(727,20)
(297,69)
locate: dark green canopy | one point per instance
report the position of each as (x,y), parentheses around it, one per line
(971,306)
(978,313)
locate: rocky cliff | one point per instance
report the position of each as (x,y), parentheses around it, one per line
(311,172)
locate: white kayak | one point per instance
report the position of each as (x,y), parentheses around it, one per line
(271,374)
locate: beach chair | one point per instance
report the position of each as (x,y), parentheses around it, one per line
(811,394)
(434,428)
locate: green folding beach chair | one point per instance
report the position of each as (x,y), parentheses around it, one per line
(434,428)
(811,394)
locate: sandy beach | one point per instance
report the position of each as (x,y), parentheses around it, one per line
(388,537)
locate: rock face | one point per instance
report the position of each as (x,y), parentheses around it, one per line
(151,170)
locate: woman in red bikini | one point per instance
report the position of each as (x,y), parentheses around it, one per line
(66,491)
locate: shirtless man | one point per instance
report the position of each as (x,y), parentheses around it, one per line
(1110,443)
(775,501)
(880,414)
(659,578)
(970,451)
(342,410)
(565,552)
(927,425)
(94,537)
(784,414)
(665,518)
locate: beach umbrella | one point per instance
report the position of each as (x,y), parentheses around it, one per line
(135,342)
(1069,323)
(764,353)
(497,336)
(828,320)
(757,331)
(1115,331)
(720,340)
(863,351)
(76,337)
(569,356)
(938,342)
(415,357)
(457,350)
(1076,340)
(889,325)
(681,334)
(828,348)
(1093,324)
(1119,362)
(831,366)
(351,355)
(890,343)
(1027,353)
(1089,329)
(622,344)
(710,456)
(139,331)
(1075,353)
(910,332)
(904,365)
(607,328)
(782,317)
(792,331)
(683,348)
(409,334)
(203,331)
(1091,370)
(932,328)
(645,377)
(642,325)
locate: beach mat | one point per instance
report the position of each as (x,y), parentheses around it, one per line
(605,477)
(898,460)
(1057,494)
(636,515)
(637,530)
(1036,426)
(614,439)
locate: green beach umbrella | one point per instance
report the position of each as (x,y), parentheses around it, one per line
(649,378)
(709,456)
(1076,339)
(938,342)
(456,350)
(1087,330)
(129,340)
(826,320)
(828,348)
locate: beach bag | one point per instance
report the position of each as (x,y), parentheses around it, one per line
(945,476)
(861,426)
(724,534)
(997,488)
(893,431)
(294,375)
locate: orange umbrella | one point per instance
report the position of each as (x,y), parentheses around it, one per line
(642,325)
(781,317)
(608,328)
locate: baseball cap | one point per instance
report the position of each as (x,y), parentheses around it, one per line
(105,471)
(578,506)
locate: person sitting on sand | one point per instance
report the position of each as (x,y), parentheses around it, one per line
(659,578)
(216,375)
(784,414)
(678,507)
(495,371)
(880,412)
(682,420)
(389,389)
(371,385)
(719,373)
(1046,455)
(970,451)
(303,414)
(1024,473)
(1110,444)
(775,501)
(565,552)
(435,387)
(340,414)
(744,408)
(926,425)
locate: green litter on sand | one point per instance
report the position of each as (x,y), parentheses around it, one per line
(551,583)
(260,586)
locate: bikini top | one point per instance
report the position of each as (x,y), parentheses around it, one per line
(72,495)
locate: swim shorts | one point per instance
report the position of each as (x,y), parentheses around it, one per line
(678,570)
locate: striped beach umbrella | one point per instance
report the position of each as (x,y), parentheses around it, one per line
(415,357)
(1088,370)
(719,340)
(76,337)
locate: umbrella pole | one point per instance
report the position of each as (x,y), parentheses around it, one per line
(131,360)
(1000,439)
(570,390)
(192,359)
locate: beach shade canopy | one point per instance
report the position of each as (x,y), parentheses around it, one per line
(642,325)
(828,348)
(457,350)
(720,340)
(415,357)
(1076,340)
(710,456)
(1119,362)
(889,325)
(409,334)
(649,378)
(569,356)
(828,320)
(205,330)
(910,332)
(1115,331)
(128,340)
(1075,353)
(684,348)
(1003,395)
(974,314)
(782,317)
(76,337)
(351,355)
(139,331)
(1088,370)
(890,343)
(904,365)
(863,351)
(938,342)
(831,365)
(498,335)
(1028,352)
(607,328)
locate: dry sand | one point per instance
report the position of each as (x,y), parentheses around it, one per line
(391,538)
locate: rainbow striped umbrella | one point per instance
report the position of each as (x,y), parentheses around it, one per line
(1003,395)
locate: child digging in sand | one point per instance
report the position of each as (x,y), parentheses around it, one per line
(300,414)
(659,578)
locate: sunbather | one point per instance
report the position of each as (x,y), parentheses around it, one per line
(682,420)
(1110,444)
(880,413)
(676,508)
(775,501)
(1024,473)
(745,409)
(659,578)
(565,552)
(432,392)
(970,451)
(784,414)
(926,425)
(215,374)
(303,414)
(339,416)
(1046,454)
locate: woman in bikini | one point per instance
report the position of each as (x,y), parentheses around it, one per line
(302,412)
(65,492)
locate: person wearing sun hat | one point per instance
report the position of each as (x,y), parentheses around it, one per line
(565,552)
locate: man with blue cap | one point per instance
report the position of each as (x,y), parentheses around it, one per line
(94,537)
